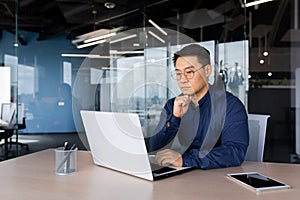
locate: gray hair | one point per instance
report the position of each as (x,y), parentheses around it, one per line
(199,51)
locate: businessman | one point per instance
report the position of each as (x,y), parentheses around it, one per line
(209,124)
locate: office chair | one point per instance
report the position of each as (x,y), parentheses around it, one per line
(257,133)
(19,127)
(7,134)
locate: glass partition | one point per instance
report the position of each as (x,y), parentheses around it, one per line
(11,109)
(234,67)
(131,75)
(134,76)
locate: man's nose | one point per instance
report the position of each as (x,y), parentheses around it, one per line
(183,78)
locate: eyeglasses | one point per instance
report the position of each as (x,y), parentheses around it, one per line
(188,73)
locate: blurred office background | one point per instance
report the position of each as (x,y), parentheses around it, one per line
(59,56)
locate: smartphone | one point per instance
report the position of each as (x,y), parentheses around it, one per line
(258,182)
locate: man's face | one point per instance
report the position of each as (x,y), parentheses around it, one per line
(194,76)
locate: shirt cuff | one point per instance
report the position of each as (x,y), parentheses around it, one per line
(174,121)
(186,161)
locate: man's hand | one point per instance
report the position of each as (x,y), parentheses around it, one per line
(169,157)
(181,105)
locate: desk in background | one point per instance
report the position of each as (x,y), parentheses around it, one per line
(7,131)
(5,134)
(33,177)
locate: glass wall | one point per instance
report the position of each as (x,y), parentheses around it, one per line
(130,72)
(135,77)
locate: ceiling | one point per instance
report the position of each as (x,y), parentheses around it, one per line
(202,20)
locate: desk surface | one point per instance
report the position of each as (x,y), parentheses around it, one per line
(33,177)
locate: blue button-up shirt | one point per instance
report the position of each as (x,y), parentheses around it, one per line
(213,134)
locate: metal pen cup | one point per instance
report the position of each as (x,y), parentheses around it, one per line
(65,161)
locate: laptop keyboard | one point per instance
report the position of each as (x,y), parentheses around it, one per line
(157,169)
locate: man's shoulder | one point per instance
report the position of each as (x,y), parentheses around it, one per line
(234,103)
(231,99)
(229,95)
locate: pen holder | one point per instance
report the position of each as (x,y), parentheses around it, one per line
(65,161)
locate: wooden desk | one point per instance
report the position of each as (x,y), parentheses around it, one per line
(33,177)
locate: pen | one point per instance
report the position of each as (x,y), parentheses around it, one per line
(66,146)
(67,166)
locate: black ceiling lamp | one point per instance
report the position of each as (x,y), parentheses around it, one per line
(110,5)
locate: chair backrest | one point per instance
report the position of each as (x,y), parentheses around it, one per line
(8,113)
(257,134)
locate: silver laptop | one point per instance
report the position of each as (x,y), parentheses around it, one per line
(116,141)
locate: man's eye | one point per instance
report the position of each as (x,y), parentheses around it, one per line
(189,72)
(178,74)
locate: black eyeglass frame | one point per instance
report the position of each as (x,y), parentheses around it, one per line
(188,75)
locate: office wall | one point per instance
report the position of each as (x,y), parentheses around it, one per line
(276,102)
(43,114)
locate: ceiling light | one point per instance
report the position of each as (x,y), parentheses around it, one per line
(253,3)
(84,55)
(158,28)
(261,61)
(90,44)
(117,68)
(156,36)
(116,52)
(94,36)
(110,5)
(265,53)
(270,74)
(123,38)
(100,37)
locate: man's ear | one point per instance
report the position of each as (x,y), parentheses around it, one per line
(207,70)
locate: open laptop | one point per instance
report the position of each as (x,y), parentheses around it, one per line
(116,141)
